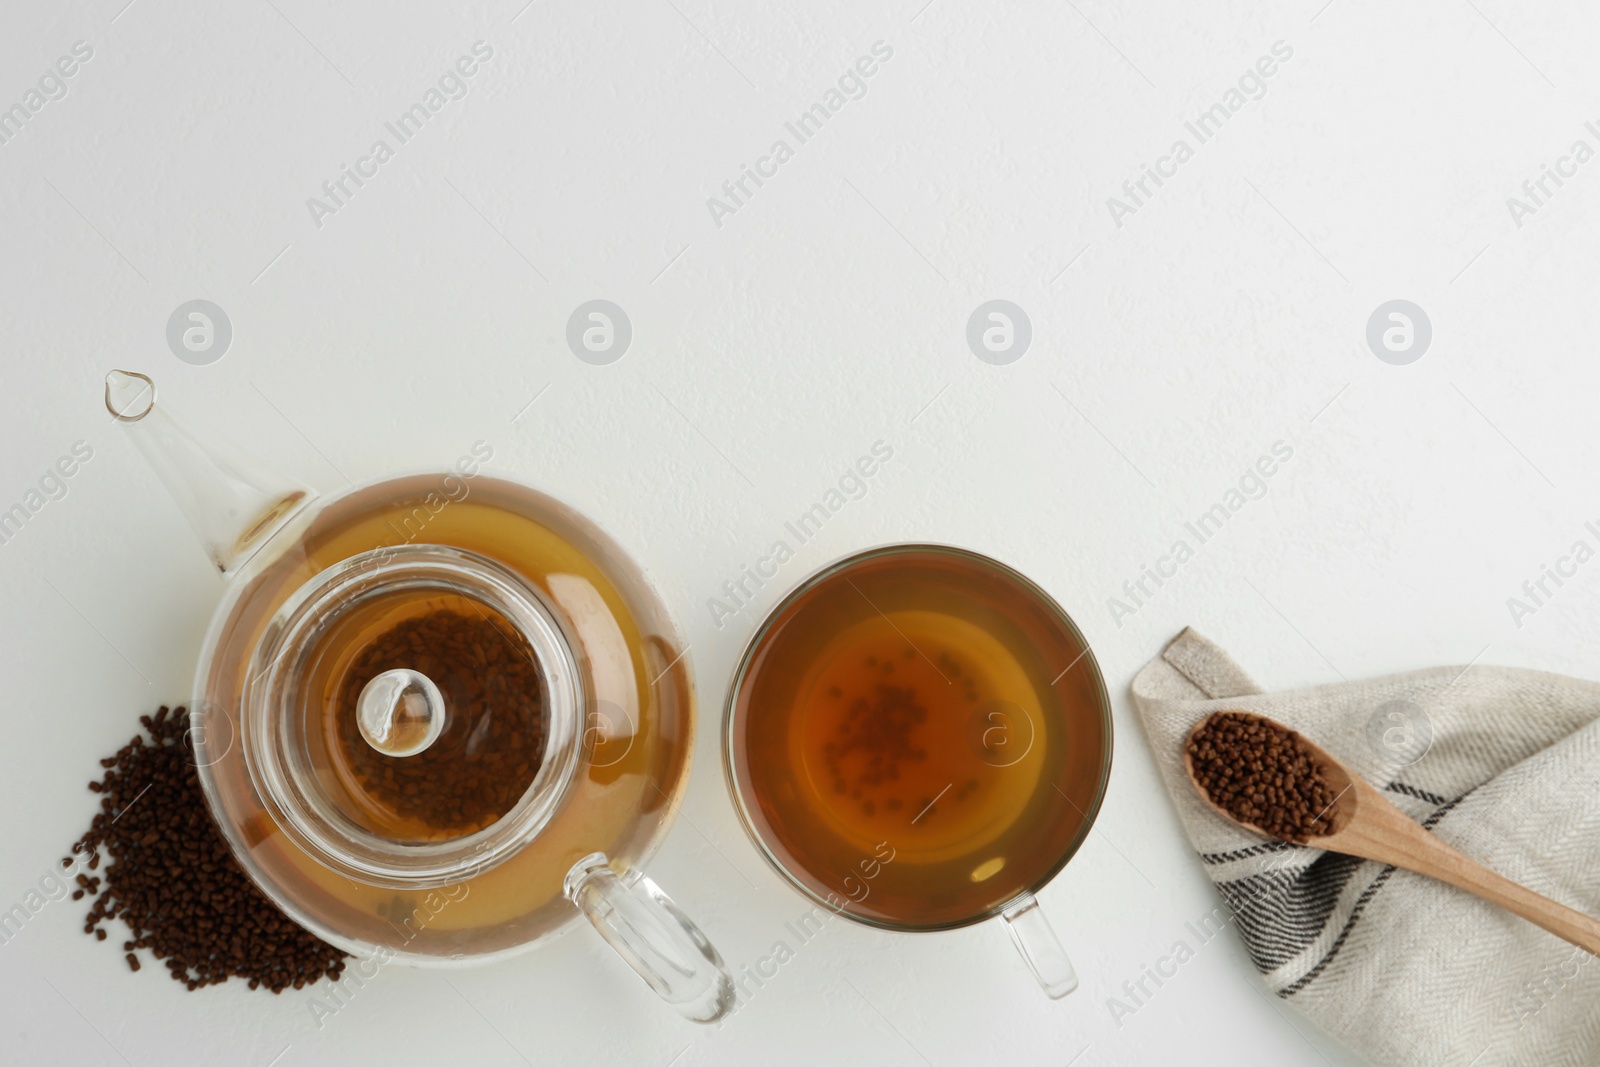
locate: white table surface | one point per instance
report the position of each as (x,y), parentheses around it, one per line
(1228,312)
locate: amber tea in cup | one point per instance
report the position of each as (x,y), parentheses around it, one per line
(919,737)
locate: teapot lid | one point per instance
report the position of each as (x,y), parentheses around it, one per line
(412,715)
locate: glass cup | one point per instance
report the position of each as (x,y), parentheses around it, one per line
(919,738)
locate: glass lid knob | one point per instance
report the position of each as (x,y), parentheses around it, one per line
(400,712)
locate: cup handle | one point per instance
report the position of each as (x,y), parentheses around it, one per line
(659,941)
(1040,948)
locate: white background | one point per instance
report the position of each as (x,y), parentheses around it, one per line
(828,313)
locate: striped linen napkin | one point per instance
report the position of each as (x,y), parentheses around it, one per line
(1502,763)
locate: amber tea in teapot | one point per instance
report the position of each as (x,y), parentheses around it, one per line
(352,600)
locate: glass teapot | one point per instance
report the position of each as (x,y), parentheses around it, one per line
(436,716)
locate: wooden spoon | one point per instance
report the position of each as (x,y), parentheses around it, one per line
(1369,826)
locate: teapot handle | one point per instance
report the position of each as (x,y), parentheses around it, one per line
(658,940)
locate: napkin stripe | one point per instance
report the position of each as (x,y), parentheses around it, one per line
(1213,858)
(1344,934)
(1282,913)
(1418,794)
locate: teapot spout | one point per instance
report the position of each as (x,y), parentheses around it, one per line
(233,505)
